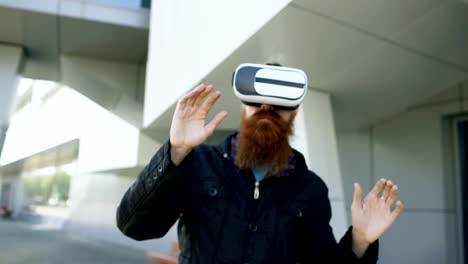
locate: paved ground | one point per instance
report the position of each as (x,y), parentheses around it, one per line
(20,243)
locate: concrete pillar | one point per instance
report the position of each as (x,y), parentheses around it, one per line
(315,138)
(11,57)
(3,131)
(112,85)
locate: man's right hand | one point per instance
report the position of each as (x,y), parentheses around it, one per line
(189,127)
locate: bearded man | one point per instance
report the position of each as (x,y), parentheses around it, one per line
(251,199)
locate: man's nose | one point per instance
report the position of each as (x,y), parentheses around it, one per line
(266,107)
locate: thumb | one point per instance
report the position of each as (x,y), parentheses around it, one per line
(357,196)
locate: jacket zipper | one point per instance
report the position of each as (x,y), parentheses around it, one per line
(257,190)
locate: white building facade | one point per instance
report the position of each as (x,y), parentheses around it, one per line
(388,98)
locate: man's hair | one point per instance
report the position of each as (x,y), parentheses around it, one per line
(274,64)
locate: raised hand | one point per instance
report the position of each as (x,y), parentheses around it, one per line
(189,127)
(372,217)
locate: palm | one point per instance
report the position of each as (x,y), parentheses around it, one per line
(190,130)
(189,127)
(372,217)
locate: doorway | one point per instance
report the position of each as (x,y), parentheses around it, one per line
(461,131)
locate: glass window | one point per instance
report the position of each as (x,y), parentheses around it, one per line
(126,3)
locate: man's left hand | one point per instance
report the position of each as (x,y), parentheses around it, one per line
(372,217)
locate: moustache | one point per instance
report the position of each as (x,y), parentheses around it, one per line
(266,113)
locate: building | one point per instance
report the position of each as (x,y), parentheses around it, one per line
(388,98)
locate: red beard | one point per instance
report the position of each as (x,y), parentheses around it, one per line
(264,141)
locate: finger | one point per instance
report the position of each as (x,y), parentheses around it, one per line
(357,196)
(202,95)
(181,104)
(378,187)
(393,195)
(397,211)
(215,122)
(210,102)
(386,191)
(183,101)
(195,93)
(188,95)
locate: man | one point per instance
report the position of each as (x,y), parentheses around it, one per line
(251,199)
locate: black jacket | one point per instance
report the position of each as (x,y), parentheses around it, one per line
(221,222)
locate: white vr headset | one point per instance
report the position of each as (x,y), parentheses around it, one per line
(257,84)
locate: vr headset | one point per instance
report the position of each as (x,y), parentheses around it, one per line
(257,84)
